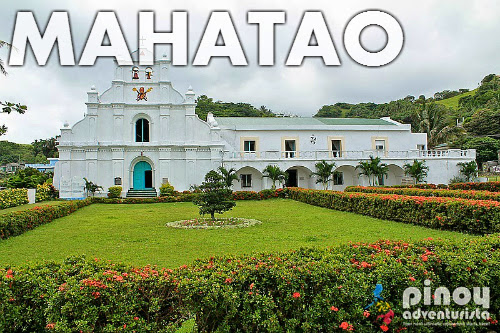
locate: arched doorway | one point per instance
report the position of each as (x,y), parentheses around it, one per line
(143,176)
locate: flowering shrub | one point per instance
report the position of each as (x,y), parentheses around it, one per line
(188,196)
(465,194)
(485,186)
(16,223)
(166,189)
(115,192)
(13,197)
(307,290)
(88,296)
(472,216)
(43,192)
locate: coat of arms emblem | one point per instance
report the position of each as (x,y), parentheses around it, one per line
(142,94)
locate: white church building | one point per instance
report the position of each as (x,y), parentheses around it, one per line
(142,132)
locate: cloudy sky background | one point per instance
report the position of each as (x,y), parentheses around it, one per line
(448,45)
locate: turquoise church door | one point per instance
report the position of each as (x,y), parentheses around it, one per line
(143,176)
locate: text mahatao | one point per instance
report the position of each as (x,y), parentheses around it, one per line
(220,25)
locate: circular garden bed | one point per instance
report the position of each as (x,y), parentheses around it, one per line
(208,223)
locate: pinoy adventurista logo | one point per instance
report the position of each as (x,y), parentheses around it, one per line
(442,307)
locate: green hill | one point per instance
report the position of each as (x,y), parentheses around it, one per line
(452,102)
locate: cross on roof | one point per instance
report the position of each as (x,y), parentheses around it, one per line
(142,39)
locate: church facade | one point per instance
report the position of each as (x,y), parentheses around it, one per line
(141,133)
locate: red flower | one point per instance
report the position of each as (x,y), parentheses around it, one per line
(136,318)
(50,326)
(424,258)
(229,280)
(296,295)
(333,308)
(251,285)
(366,314)
(384,328)
(412,278)
(344,325)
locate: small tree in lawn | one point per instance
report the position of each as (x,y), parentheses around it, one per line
(468,170)
(418,170)
(215,196)
(324,172)
(90,187)
(275,174)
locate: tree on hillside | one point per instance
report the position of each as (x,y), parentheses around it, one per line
(417,170)
(274,173)
(486,148)
(484,122)
(205,104)
(433,119)
(216,197)
(228,176)
(8,107)
(324,173)
(46,147)
(28,178)
(329,111)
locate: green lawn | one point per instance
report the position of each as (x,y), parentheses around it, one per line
(29,206)
(136,234)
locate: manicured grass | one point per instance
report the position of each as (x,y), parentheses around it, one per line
(136,234)
(29,206)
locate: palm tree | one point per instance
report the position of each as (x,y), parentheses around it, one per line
(275,174)
(373,169)
(418,170)
(324,172)
(365,170)
(433,119)
(228,175)
(380,170)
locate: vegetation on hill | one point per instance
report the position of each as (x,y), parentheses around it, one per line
(36,152)
(452,117)
(228,109)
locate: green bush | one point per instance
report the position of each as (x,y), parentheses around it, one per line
(43,192)
(166,190)
(464,215)
(484,186)
(464,194)
(88,296)
(316,290)
(115,192)
(305,290)
(16,223)
(13,197)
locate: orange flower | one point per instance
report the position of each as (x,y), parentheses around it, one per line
(384,328)
(296,295)
(333,308)
(366,314)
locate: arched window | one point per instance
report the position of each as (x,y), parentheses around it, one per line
(135,73)
(142,130)
(149,73)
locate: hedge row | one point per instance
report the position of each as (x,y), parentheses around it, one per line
(308,290)
(13,197)
(464,194)
(471,216)
(485,186)
(187,196)
(16,223)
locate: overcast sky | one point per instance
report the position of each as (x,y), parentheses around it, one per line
(448,45)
